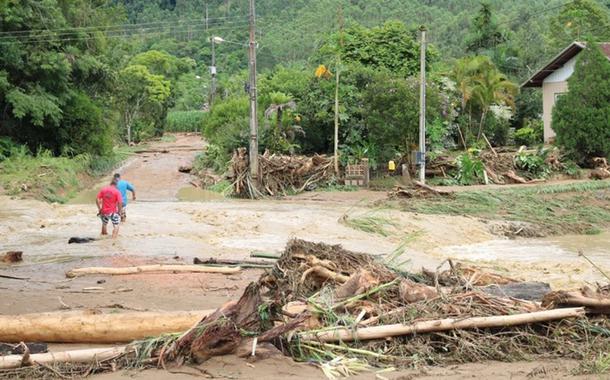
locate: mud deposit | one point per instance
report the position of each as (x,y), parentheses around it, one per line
(163,229)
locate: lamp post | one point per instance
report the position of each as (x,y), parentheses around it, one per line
(215,40)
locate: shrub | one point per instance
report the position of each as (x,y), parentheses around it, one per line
(581,117)
(530,134)
(470,168)
(533,163)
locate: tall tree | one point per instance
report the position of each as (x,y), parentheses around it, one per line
(581,118)
(577,20)
(51,83)
(484,33)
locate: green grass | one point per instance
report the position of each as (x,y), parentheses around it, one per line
(582,207)
(597,365)
(54,179)
(370,222)
(223,187)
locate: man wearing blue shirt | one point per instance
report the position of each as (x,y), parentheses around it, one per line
(124,186)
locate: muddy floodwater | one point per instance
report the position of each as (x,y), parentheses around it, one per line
(554,249)
(173,222)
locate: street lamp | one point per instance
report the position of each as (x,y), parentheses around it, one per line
(215,40)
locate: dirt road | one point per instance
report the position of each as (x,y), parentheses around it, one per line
(161,229)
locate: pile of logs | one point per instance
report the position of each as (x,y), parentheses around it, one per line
(321,297)
(279,174)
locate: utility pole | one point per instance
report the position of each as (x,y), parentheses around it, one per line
(338,69)
(422,107)
(206,17)
(252,89)
(213,71)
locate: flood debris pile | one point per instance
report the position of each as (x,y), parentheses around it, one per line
(418,190)
(347,312)
(504,165)
(279,174)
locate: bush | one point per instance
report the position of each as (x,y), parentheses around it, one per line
(534,164)
(184,121)
(530,134)
(470,168)
(581,117)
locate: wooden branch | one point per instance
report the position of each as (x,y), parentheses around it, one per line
(594,304)
(86,327)
(172,268)
(385,331)
(91,355)
(324,273)
(490,146)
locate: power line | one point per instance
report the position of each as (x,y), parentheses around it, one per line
(114,26)
(125,31)
(149,31)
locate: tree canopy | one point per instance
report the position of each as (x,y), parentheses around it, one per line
(581,118)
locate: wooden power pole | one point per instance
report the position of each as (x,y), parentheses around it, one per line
(422,107)
(213,72)
(252,90)
(338,69)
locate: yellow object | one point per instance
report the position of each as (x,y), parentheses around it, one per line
(391,166)
(323,72)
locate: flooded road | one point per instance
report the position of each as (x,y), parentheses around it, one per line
(174,221)
(555,258)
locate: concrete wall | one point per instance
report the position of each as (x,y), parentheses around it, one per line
(549,93)
(552,86)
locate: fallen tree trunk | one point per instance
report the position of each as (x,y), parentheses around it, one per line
(173,268)
(385,331)
(594,304)
(79,327)
(240,263)
(91,355)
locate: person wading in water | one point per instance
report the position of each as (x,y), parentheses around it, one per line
(109,206)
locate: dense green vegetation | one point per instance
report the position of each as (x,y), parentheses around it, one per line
(83,76)
(581,117)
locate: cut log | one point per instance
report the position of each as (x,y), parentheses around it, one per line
(79,327)
(594,304)
(599,173)
(91,355)
(385,331)
(172,268)
(512,175)
(358,283)
(12,257)
(265,255)
(212,261)
(244,264)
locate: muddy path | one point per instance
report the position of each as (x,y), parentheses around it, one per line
(162,229)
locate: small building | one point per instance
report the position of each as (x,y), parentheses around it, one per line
(553,79)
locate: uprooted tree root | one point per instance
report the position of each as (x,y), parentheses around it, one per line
(314,288)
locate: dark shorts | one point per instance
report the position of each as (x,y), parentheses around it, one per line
(114,218)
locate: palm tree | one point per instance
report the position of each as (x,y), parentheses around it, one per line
(482,85)
(491,87)
(280,103)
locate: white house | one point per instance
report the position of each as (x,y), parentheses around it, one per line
(553,78)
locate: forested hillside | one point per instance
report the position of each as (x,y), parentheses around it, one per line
(79,76)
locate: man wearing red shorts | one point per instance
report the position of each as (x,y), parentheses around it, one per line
(109,206)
